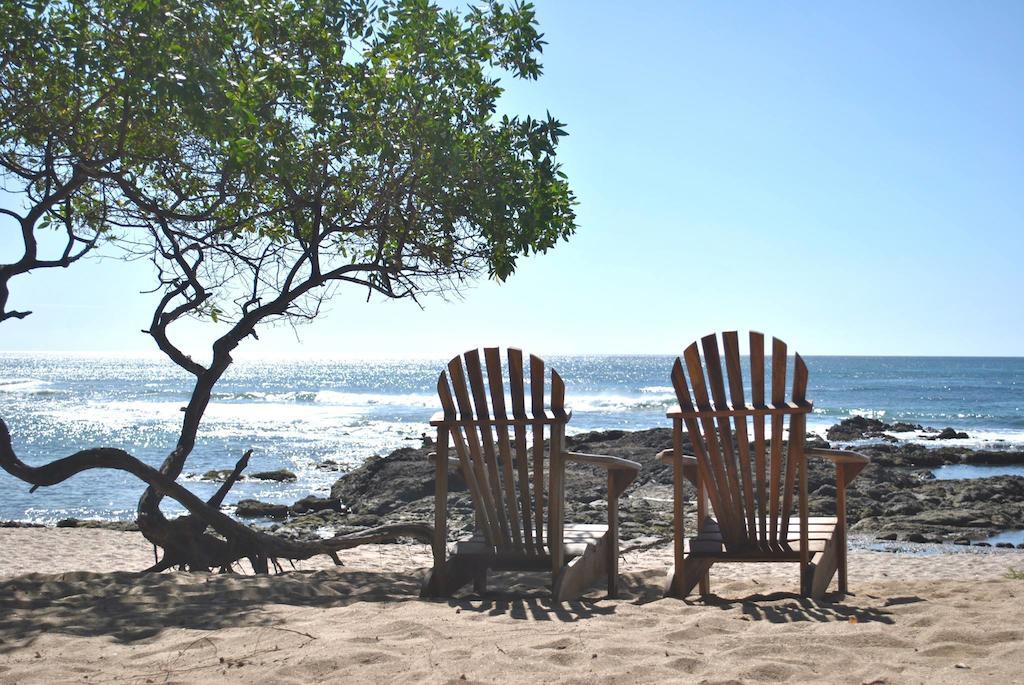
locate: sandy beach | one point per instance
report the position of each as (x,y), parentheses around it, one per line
(70,613)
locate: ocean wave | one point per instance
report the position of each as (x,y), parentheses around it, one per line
(27,386)
(330,398)
(619,403)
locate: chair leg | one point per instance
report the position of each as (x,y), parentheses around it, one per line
(683,581)
(819,575)
(582,572)
(480,580)
(448,578)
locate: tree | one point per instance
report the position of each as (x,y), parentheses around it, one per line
(261,154)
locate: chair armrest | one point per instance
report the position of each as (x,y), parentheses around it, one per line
(432,457)
(848,464)
(605,462)
(838,456)
(665,457)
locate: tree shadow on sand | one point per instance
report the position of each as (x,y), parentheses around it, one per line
(135,606)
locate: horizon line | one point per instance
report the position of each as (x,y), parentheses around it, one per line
(156,354)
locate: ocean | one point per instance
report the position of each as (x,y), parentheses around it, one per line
(298,414)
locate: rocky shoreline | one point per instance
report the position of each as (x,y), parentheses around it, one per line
(895,498)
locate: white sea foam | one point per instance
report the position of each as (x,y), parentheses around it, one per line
(868,413)
(610,403)
(24,385)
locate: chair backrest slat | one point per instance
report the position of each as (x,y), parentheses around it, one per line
(491,435)
(778,396)
(492,358)
(537,393)
(727,514)
(518,394)
(757,398)
(468,470)
(797,436)
(713,364)
(751,484)
(706,471)
(731,345)
(489,525)
(488,452)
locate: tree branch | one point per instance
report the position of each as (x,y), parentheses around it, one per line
(240,542)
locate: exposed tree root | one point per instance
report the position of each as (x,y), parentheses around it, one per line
(184,540)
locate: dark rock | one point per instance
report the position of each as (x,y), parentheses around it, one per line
(826,490)
(813,440)
(20,524)
(887,537)
(1005,545)
(382,485)
(314,503)
(982,544)
(279,475)
(961,541)
(994,458)
(216,475)
(95,523)
(901,427)
(914,537)
(251,508)
(856,428)
(948,434)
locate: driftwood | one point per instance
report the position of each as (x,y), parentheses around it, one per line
(184,540)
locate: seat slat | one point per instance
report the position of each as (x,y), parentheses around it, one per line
(710,540)
(575,540)
(711,548)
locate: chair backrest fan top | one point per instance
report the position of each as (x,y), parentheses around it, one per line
(501,426)
(749,475)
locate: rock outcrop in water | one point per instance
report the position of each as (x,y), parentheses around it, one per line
(864,428)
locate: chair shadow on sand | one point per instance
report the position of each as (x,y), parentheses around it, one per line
(789,607)
(128,607)
(527,596)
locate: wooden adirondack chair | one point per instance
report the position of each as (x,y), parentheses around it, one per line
(519,511)
(751,485)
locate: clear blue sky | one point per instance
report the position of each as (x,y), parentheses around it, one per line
(847,176)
